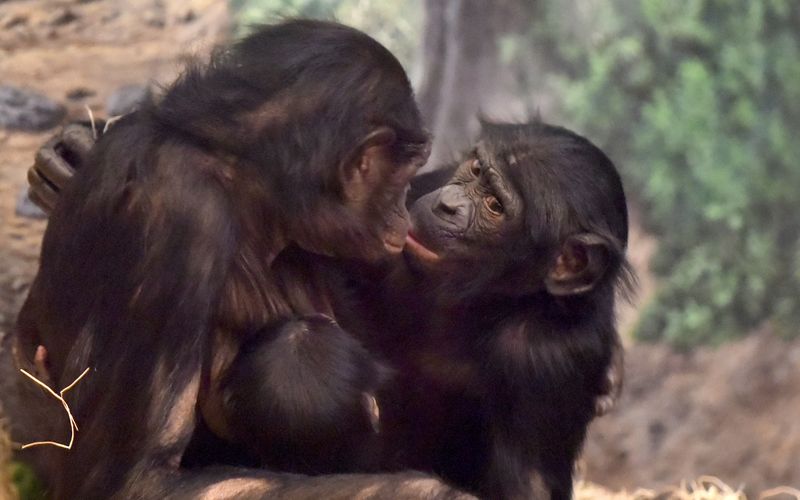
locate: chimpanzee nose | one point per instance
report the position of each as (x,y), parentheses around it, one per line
(454,206)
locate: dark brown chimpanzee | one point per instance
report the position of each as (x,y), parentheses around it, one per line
(503,334)
(318,403)
(159,261)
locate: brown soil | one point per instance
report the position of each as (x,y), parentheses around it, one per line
(732,412)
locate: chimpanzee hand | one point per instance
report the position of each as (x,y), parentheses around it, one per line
(56,162)
(612,384)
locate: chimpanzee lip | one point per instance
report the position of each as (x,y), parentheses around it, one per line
(394,242)
(418,249)
(392,246)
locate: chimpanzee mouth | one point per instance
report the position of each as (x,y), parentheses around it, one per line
(419,250)
(393,245)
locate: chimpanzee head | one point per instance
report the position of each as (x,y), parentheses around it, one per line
(532,207)
(300,395)
(321,118)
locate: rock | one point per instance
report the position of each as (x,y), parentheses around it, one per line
(80,93)
(126,99)
(17,20)
(187,17)
(26,110)
(26,208)
(62,17)
(20,284)
(155,18)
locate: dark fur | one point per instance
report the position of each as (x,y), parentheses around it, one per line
(336,379)
(498,377)
(161,253)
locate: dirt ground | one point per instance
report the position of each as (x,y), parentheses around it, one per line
(106,45)
(731,412)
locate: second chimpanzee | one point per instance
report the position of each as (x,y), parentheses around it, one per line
(503,334)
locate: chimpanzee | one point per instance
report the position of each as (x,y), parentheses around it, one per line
(325,402)
(160,260)
(503,333)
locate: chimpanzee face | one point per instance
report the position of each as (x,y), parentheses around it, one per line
(375,190)
(470,218)
(532,207)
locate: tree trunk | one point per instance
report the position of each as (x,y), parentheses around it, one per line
(460,57)
(461,66)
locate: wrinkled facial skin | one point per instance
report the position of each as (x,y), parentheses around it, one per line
(386,207)
(376,193)
(469,218)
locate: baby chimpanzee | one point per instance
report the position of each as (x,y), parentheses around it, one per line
(503,335)
(327,403)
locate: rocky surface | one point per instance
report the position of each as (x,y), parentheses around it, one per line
(126,99)
(22,109)
(26,208)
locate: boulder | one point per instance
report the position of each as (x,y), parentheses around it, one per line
(26,110)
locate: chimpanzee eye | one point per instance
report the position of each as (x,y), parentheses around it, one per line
(494,205)
(475,168)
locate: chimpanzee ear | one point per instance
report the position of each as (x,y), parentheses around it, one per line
(372,145)
(370,151)
(581,264)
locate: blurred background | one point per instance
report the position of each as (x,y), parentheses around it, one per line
(697,102)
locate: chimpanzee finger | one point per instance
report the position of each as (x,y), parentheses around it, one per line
(39,202)
(40,192)
(77,141)
(52,166)
(40,363)
(603,405)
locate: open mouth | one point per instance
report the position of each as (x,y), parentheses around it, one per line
(415,247)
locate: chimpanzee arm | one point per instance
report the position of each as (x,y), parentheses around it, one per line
(540,400)
(222,483)
(57,160)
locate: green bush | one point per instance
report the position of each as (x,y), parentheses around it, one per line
(699,103)
(27,484)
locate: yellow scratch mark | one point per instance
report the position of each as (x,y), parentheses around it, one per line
(73,426)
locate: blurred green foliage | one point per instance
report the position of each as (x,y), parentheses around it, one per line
(396,24)
(699,102)
(28,485)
